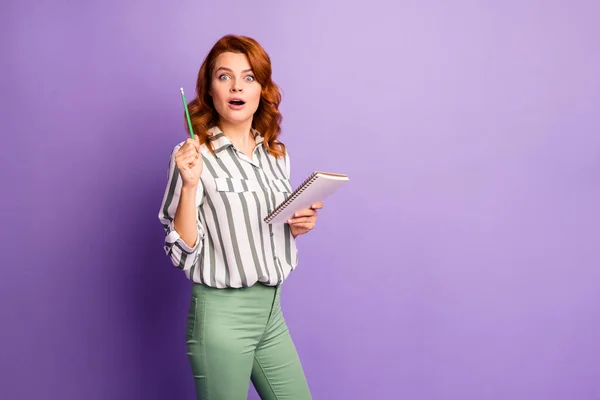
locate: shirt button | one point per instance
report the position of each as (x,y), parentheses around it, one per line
(275,258)
(272,234)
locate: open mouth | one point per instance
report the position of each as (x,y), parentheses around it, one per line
(237,102)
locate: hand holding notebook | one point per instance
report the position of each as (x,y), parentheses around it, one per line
(317,187)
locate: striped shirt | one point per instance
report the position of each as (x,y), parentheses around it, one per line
(235,247)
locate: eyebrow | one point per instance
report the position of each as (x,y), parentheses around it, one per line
(230,70)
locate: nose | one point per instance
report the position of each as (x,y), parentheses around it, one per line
(235,87)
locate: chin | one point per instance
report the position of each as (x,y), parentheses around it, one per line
(236,117)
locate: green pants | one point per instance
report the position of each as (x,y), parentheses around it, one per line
(238,335)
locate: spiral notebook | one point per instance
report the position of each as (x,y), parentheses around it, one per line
(318,186)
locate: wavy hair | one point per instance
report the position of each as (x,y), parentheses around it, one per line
(267,118)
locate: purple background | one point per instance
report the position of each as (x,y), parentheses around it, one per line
(461,262)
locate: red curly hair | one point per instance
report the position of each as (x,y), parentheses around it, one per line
(267,118)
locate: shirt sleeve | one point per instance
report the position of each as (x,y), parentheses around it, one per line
(182,256)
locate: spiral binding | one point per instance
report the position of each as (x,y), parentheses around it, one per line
(292,196)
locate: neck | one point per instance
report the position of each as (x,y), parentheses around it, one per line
(239,134)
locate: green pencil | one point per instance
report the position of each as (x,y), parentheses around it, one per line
(187,113)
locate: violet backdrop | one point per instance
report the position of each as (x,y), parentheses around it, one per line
(461,262)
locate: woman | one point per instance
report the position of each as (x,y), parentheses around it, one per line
(221,186)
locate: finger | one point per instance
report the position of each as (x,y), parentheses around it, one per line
(189,151)
(196,143)
(188,161)
(305,213)
(184,151)
(301,220)
(192,144)
(304,227)
(318,205)
(192,153)
(186,156)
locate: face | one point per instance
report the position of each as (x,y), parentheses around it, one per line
(234,89)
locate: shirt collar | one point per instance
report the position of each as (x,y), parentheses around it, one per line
(220,142)
(258,138)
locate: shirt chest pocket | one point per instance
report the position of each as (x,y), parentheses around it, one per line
(280,190)
(236,185)
(280,186)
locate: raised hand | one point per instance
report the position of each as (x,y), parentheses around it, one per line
(189,162)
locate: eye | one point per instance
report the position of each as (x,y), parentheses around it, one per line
(250,78)
(223,77)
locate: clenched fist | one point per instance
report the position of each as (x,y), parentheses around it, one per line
(189,162)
